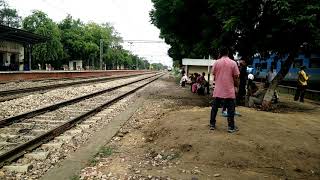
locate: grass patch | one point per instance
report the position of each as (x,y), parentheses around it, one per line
(93,161)
(105,151)
(102,153)
(75,177)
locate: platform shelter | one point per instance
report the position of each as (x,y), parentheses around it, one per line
(16,48)
(198,66)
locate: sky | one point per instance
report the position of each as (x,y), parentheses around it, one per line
(129,17)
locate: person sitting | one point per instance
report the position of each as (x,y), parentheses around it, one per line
(184,80)
(257,97)
(205,83)
(201,84)
(194,87)
(192,80)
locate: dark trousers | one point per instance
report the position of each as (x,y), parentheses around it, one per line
(227,103)
(241,94)
(300,93)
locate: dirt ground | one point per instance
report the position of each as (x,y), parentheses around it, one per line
(169,138)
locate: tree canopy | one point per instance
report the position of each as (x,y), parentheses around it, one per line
(9,16)
(51,51)
(195,28)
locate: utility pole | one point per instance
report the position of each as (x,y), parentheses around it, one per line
(136,63)
(101,53)
(29,54)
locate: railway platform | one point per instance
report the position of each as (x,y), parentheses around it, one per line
(161,132)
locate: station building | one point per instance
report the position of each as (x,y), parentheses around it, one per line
(198,66)
(16,48)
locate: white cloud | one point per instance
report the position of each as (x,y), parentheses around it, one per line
(129,17)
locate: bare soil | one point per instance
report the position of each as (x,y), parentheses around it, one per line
(169,138)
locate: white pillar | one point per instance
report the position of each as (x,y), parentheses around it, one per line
(7,60)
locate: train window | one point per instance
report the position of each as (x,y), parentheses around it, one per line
(297,63)
(314,63)
(264,65)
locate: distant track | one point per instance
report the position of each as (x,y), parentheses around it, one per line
(15,93)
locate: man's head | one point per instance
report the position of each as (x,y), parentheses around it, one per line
(203,73)
(302,67)
(242,63)
(224,51)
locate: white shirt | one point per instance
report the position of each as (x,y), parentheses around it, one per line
(184,78)
(250,76)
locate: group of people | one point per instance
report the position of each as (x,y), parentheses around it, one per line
(198,83)
(233,85)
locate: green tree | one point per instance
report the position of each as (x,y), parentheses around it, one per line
(50,52)
(195,28)
(72,38)
(9,16)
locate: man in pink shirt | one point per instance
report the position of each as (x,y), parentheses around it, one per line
(226,74)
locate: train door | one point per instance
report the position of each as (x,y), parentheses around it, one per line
(263,69)
(255,66)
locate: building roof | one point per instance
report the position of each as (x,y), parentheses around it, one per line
(20,36)
(197,62)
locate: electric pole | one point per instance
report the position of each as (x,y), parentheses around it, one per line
(101,53)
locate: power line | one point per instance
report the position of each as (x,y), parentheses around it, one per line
(143,41)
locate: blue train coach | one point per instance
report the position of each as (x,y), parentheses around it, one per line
(260,68)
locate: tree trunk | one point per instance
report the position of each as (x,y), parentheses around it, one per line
(267,100)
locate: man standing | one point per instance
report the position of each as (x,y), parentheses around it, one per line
(243,82)
(226,75)
(302,84)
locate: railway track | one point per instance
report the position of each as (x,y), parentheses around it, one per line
(10,94)
(22,133)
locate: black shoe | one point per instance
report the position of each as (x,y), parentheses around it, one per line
(235,129)
(212,128)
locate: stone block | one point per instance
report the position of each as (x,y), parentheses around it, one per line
(37,155)
(18,168)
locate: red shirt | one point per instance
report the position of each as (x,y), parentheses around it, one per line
(224,69)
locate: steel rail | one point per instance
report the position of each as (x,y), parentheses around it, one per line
(54,86)
(34,143)
(29,114)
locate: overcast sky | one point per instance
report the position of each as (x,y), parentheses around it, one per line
(129,17)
